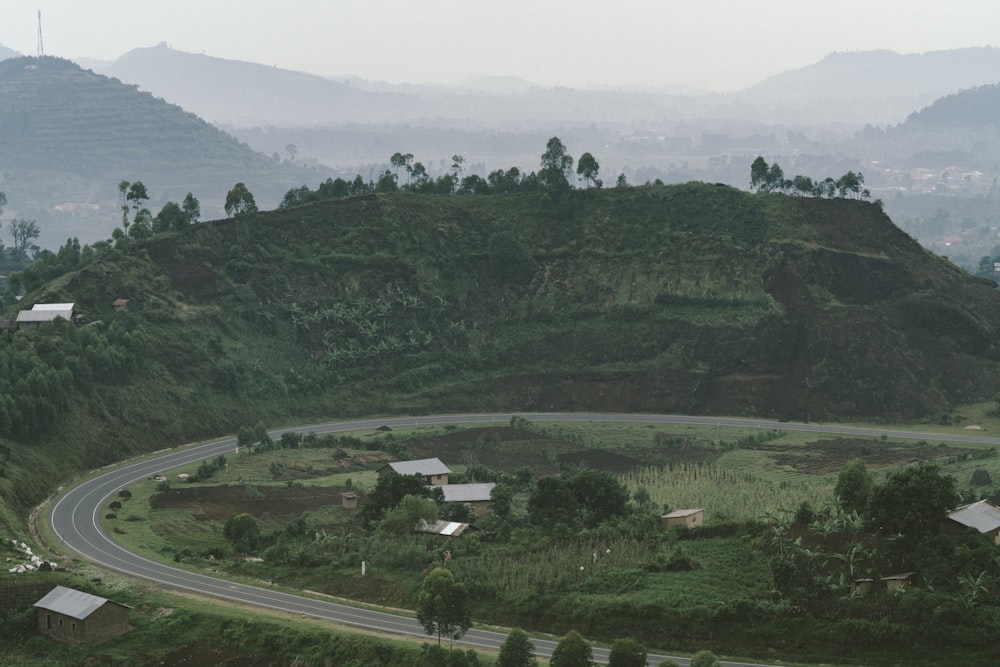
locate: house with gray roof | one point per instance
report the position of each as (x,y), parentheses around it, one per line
(476,496)
(44,312)
(981,516)
(71,616)
(684,517)
(433,471)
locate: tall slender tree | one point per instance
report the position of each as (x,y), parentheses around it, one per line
(240,202)
(587,169)
(555,167)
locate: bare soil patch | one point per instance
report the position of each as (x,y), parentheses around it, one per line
(829,456)
(507,449)
(499,448)
(276,503)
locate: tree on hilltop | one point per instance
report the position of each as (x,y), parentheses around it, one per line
(24,232)
(556,164)
(398,160)
(192,208)
(587,169)
(240,202)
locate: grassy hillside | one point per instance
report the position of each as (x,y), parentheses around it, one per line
(70,136)
(693,298)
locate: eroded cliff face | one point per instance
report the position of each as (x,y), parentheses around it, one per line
(863,323)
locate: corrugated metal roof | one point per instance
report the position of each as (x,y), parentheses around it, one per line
(53,306)
(453,527)
(467,493)
(441,527)
(680,514)
(420,467)
(43,315)
(981,515)
(70,602)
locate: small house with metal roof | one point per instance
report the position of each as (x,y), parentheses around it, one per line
(447,529)
(477,496)
(686,517)
(433,471)
(44,312)
(71,616)
(981,516)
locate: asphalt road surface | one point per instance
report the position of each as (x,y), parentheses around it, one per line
(75,519)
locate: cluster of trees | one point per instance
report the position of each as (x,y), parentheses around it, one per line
(910,503)
(44,371)
(23,233)
(573,650)
(884,528)
(172,216)
(444,610)
(554,176)
(771,178)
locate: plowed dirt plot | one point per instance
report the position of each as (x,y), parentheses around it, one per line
(276,503)
(828,456)
(506,449)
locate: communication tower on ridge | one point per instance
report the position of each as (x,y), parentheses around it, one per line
(41,49)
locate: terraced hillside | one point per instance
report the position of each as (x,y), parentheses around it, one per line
(70,136)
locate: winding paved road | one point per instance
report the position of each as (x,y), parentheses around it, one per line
(75,519)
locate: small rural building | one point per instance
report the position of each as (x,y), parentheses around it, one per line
(898,582)
(689,518)
(71,616)
(41,313)
(862,587)
(433,471)
(980,516)
(120,304)
(475,495)
(349,500)
(442,528)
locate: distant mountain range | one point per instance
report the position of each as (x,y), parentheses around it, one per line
(877,87)
(69,136)
(880,87)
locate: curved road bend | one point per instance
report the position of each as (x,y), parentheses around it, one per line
(75,519)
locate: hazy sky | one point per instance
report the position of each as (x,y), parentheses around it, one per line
(719,45)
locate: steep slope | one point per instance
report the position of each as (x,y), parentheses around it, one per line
(695,299)
(70,136)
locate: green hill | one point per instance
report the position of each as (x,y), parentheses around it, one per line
(690,299)
(70,136)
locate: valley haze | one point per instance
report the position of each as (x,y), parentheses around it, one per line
(714,45)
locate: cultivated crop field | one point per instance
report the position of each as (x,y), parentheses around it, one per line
(623,577)
(736,474)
